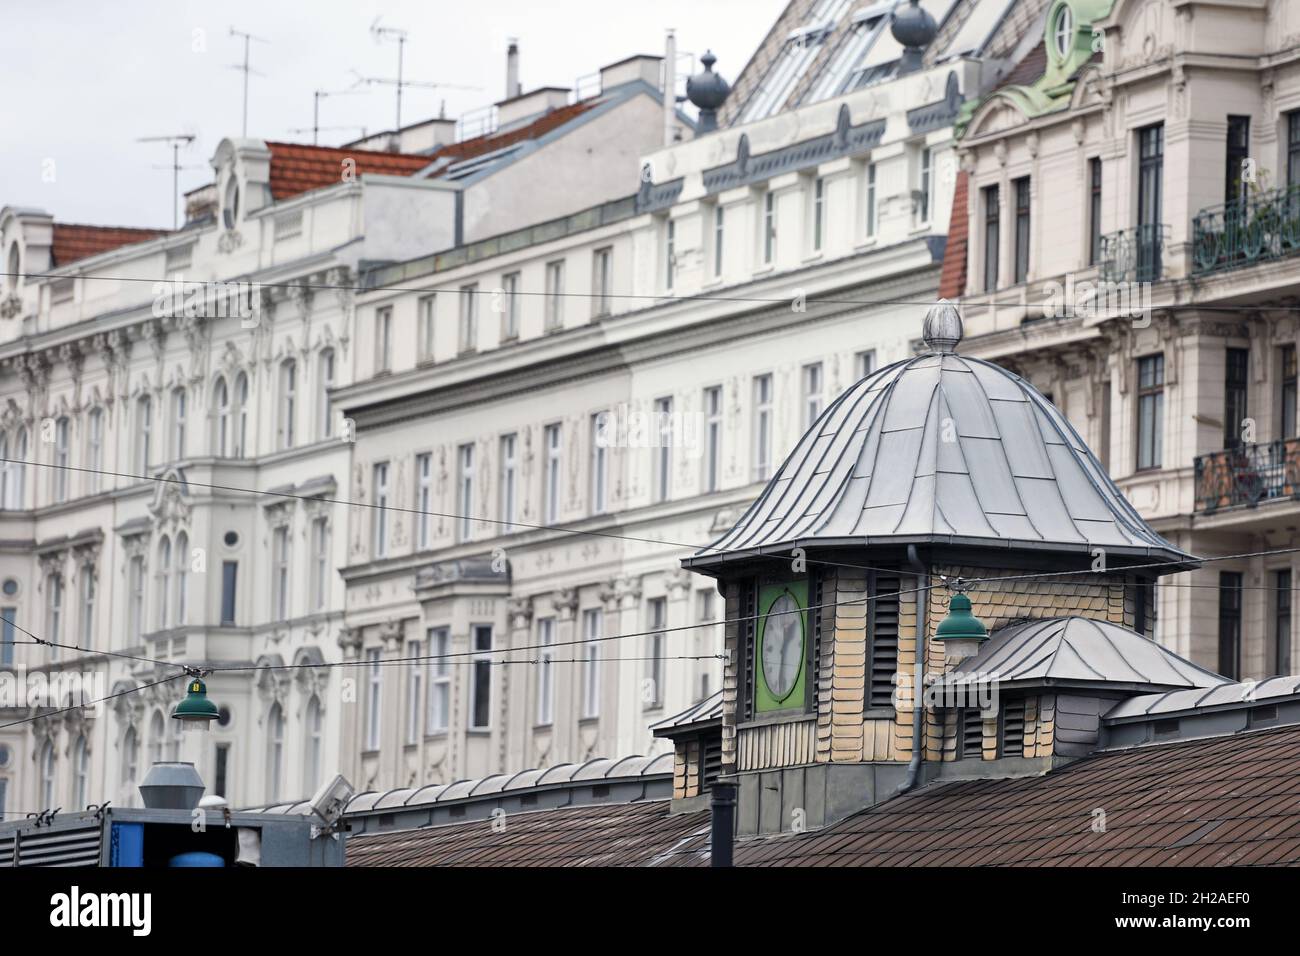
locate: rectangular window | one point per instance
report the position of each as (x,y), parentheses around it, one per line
(468,318)
(812,393)
(324,421)
(95,450)
(1151,173)
(288,402)
(464,492)
(439,712)
(61,458)
(229,579)
(144,428)
(602,279)
(865,363)
(819,213)
(762,427)
(719,236)
(510,306)
(427,314)
(991,240)
(1293,148)
(374,690)
(1236,387)
(320,550)
(179,401)
(871,200)
(280,572)
(508,484)
(1151,411)
(8,616)
(1230,624)
(670,253)
(1282,622)
(654,670)
(705,599)
(414,693)
(1022,229)
(383,340)
(1238,151)
(136,611)
(1287,396)
(712,437)
(769,228)
(554,295)
(663,452)
(545,671)
(1094,210)
(599,463)
(423,499)
(551,476)
(379,514)
(592,625)
(480,699)
(926,178)
(222,772)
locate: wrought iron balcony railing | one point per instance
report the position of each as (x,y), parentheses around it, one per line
(1258,227)
(1135,254)
(1248,475)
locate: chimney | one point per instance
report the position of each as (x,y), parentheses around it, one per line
(512,70)
(723,823)
(670,89)
(173,785)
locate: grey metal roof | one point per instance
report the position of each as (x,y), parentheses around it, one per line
(1079,649)
(704,711)
(942,448)
(1227,694)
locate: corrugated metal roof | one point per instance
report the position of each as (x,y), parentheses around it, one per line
(702,711)
(1227,694)
(945,449)
(1079,649)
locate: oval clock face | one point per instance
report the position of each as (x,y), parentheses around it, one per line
(782,646)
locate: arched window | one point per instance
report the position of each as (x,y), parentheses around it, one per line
(60,476)
(182,575)
(47,775)
(54,611)
(143,433)
(94,449)
(178,422)
(288,402)
(242,447)
(221,402)
(18,474)
(130,756)
(157,735)
(311,759)
(15,261)
(274,752)
(81,773)
(324,421)
(162,580)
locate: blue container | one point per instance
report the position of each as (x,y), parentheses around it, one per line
(196,858)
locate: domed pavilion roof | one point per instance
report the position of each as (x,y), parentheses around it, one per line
(942,449)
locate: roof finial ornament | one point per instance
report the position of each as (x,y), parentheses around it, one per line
(942,329)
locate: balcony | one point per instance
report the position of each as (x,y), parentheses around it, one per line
(1258,227)
(1248,475)
(1135,254)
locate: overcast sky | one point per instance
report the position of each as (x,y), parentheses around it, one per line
(84,80)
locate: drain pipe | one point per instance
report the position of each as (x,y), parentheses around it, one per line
(723,824)
(918,685)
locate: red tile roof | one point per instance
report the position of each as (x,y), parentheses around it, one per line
(952,275)
(73,241)
(623,834)
(481,145)
(1031,66)
(296,168)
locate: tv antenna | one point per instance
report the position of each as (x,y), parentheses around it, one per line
(246,69)
(316,97)
(176,142)
(389,34)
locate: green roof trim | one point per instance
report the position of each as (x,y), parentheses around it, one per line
(1070,41)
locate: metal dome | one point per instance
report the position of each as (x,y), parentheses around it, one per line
(942,449)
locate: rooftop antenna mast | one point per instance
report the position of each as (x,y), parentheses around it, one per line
(246,69)
(316,97)
(176,142)
(381,34)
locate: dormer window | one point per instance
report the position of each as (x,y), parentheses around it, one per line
(230,208)
(1063,31)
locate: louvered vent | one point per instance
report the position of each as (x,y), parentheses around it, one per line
(7,842)
(73,847)
(884,642)
(711,765)
(748,631)
(1011,739)
(816,615)
(970,733)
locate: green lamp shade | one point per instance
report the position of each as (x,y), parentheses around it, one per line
(961,624)
(196,706)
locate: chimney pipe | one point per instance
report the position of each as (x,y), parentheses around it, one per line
(670,89)
(723,819)
(512,70)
